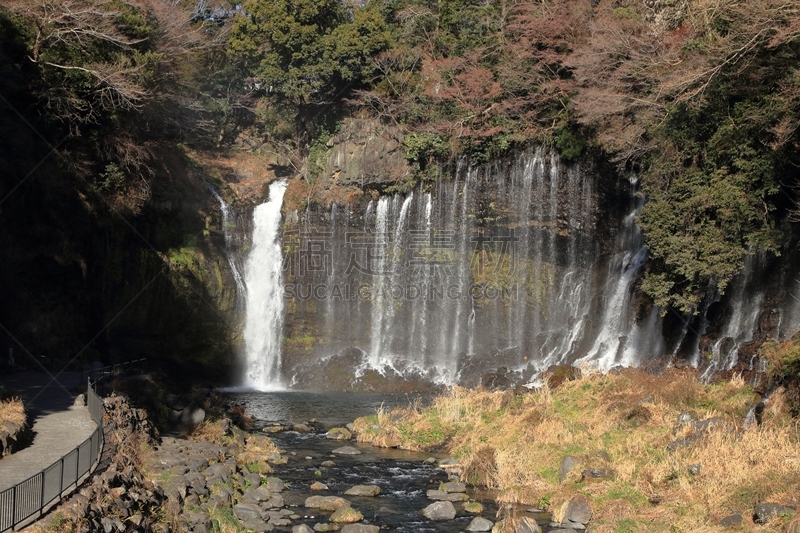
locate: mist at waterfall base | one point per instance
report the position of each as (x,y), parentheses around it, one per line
(522,264)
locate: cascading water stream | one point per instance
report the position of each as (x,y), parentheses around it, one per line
(264,281)
(228,223)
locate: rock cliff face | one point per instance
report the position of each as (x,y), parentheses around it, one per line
(365,154)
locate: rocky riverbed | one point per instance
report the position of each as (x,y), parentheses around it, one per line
(295,477)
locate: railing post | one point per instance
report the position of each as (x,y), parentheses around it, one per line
(41,493)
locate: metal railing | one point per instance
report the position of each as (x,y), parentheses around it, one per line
(31,498)
(111,371)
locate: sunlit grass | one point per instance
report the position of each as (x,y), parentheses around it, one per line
(515,443)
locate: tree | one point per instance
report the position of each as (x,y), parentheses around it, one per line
(308,51)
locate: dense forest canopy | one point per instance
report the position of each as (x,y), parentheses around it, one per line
(701,98)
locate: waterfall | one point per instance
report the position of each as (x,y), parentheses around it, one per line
(229,223)
(379,288)
(609,347)
(518,264)
(264,281)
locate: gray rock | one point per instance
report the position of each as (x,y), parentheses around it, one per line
(107,524)
(76,507)
(363,490)
(220,470)
(446,496)
(346,515)
(480,524)
(346,450)
(258,493)
(566,467)
(732,520)
(694,469)
(684,442)
(302,528)
(527,525)
(710,424)
(276,501)
(685,419)
(764,512)
(360,528)
(578,509)
(597,473)
(455,487)
(430,461)
(281,522)
(253,478)
(439,511)
(274,484)
(246,511)
(327,464)
(80,400)
(325,503)
(302,428)
(326,527)
(191,417)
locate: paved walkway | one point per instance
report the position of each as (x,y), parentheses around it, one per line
(58,426)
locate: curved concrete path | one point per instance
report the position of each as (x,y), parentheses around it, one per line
(58,426)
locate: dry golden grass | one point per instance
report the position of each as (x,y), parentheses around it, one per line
(12,410)
(622,422)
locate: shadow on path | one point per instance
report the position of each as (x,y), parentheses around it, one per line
(58,425)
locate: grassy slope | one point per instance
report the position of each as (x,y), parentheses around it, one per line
(515,444)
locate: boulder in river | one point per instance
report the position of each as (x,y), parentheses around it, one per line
(480,524)
(527,525)
(363,490)
(473,507)
(346,515)
(326,503)
(443,510)
(318,486)
(338,434)
(302,528)
(454,486)
(346,450)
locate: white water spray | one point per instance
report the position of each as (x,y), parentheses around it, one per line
(227,223)
(264,280)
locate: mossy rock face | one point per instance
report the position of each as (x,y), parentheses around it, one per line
(346,515)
